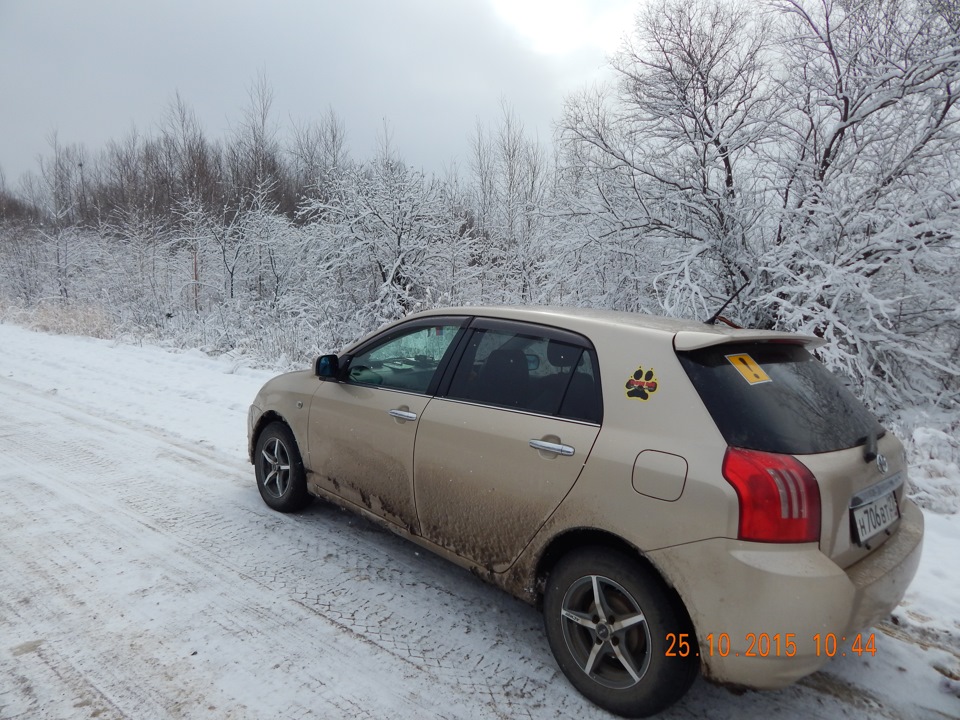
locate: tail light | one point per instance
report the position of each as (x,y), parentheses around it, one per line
(779,497)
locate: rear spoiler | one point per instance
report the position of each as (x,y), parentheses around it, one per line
(694,339)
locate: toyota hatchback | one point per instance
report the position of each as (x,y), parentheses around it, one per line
(676,497)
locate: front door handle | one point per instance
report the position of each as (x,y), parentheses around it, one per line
(551,447)
(403,414)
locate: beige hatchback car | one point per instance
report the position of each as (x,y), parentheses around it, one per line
(676,497)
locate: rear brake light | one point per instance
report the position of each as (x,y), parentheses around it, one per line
(779,497)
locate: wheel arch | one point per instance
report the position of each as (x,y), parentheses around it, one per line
(268,417)
(583,537)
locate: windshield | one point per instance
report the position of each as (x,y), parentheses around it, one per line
(777,398)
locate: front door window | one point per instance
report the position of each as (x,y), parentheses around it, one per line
(405,361)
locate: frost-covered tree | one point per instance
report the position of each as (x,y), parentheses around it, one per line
(387,241)
(134,273)
(60,200)
(318,154)
(666,161)
(866,252)
(510,190)
(808,153)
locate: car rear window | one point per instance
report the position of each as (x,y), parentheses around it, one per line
(777,398)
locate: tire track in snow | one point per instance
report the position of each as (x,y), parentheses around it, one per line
(363,592)
(163,598)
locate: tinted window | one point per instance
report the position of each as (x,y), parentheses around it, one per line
(777,398)
(406,360)
(528,371)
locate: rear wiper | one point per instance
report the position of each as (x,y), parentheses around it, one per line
(870,452)
(870,447)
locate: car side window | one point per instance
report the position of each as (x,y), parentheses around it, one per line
(528,372)
(407,360)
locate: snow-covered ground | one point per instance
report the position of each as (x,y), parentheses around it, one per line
(141,576)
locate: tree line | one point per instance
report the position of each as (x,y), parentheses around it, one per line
(803,155)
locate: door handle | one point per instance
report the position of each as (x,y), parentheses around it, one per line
(551,447)
(402,414)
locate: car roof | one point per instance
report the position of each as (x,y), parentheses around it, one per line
(686,334)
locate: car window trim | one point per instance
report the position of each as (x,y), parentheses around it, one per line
(462,342)
(523,327)
(520,411)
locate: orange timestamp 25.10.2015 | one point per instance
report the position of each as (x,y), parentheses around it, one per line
(770,645)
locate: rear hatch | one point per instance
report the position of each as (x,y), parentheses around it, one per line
(775,397)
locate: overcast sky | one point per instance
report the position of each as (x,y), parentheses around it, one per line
(92,70)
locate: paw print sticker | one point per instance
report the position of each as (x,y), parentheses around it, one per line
(641,385)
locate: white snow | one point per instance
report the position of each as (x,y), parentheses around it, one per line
(141,576)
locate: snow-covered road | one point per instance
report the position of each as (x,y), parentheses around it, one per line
(141,576)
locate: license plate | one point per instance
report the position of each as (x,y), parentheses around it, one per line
(875,517)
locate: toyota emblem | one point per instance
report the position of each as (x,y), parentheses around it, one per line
(882,464)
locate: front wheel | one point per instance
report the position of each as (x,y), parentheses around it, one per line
(607,619)
(279,468)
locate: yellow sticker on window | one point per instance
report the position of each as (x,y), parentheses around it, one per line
(748,367)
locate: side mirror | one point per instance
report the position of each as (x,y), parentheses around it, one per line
(327,366)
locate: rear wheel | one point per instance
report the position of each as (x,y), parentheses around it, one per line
(279,468)
(607,619)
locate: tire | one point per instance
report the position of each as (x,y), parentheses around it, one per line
(623,668)
(279,468)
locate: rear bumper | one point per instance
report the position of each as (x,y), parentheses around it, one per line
(767,615)
(882,577)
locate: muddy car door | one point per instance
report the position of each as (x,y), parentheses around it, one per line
(505,439)
(363,423)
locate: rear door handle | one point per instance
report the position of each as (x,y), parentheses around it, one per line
(551,447)
(403,414)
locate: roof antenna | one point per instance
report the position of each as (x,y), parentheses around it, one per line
(717,316)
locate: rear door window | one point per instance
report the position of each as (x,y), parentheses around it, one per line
(530,368)
(777,398)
